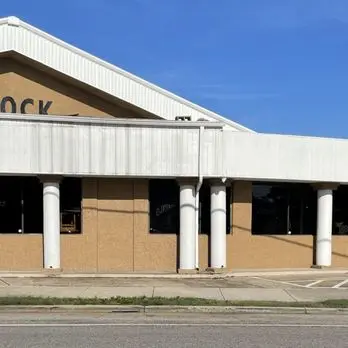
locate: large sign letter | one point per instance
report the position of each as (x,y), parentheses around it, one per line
(26,102)
(43,108)
(6,100)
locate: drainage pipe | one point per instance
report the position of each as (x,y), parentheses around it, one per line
(198,187)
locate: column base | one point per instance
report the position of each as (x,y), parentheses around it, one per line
(52,271)
(320,267)
(216,270)
(187,271)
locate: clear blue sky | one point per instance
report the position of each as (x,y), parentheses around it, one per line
(278,66)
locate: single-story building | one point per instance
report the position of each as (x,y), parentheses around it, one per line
(102,171)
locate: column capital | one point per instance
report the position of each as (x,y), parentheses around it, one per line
(325,186)
(220,182)
(187,181)
(50,178)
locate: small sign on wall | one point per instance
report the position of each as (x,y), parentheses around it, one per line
(9,105)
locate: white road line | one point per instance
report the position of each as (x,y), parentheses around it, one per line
(314,283)
(340,284)
(280,282)
(172,325)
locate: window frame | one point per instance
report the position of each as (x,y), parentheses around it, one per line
(304,193)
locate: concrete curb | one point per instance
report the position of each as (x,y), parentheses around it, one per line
(125,276)
(243,310)
(77,308)
(174,309)
(224,310)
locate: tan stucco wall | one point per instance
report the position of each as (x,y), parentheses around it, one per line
(80,252)
(115,235)
(152,252)
(21,252)
(115,225)
(246,251)
(203,250)
(21,81)
(340,251)
(251,251)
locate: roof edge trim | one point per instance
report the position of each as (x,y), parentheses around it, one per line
(75,120)
(12,20)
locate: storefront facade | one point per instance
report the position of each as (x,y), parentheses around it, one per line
(102,172)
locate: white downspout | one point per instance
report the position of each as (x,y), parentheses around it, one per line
(198,187)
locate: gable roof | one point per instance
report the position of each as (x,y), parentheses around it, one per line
(18,36)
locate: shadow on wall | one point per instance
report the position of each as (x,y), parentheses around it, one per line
(297,243)
(334,253)
(289,240)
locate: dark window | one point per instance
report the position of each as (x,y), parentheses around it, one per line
(340,211)
(164,206)
(33,206)
(70,205)
(164,196)
(204,209)
(283,209)
(21,205)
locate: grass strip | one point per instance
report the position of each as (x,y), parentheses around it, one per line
(158,301)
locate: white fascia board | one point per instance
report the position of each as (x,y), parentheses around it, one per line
(35,44)
(103,121)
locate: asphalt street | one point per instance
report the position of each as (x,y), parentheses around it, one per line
(121,330)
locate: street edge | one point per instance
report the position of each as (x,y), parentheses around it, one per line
(162,309)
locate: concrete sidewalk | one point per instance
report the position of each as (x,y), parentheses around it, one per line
(203,275)
(231,294)
(272,285)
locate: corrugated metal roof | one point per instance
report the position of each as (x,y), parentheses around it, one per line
(37,45)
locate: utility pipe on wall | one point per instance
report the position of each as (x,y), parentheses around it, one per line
(198,187)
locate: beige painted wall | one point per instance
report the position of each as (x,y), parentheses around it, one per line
(340,251)
(21,252)
(115,235)
(125,244)
(22,81)
(152,252)
(251,251)
(80,252)
(246,251)
(273,251)
(115,225)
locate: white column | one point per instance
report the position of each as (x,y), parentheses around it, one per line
(51,226)
(187,250)
(218,226)
(324,228)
